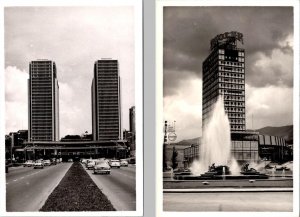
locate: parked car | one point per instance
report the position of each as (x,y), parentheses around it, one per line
(83,161)
(132,161)
(28,163)
(70,160)
(115,163)
(90,164)
(101,166)
(124,163)
(53,161)
(38,164)
(47,163)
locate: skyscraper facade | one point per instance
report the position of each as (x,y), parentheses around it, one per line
(43,101)
(106,106)
(224,74)
(132,119)
(132,129)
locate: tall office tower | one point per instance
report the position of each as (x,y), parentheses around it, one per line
(132,119)
(132,128)
(224,74)
(106,106)
(43,101)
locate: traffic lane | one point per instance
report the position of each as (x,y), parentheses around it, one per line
(126,170)
(18,172)
(29,193)
(21,172)
(119,187)
(130,168)
(255,202)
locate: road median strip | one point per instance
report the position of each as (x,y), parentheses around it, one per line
(77,192)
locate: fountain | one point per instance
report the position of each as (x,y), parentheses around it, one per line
(215,150)
(283,173)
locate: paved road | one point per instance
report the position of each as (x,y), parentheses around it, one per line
(266,201)
(119,187)
(27,189)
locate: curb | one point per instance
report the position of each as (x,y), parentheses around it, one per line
(228,190)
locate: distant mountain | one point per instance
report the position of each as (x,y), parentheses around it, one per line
(189,141)
(284,131)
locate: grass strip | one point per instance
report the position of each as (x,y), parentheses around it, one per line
(77,192)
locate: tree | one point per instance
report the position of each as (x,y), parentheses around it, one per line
(174,158)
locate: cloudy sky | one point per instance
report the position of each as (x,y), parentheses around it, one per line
(73,37)
(268,43)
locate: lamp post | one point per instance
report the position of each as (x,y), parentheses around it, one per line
(11,147)
(165,147)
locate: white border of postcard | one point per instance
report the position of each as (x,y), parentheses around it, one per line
(137,4)
(159,103)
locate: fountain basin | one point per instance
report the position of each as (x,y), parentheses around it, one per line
(237,183)
(212,176)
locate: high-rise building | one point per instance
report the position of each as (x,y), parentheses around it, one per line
(43,101)
(224,74)
(132,130)
(132,119)
(106,106)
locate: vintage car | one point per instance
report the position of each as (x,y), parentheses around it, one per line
(28,163)
(124,163)
(47,163)
(38,164)
(115,163)
(90,164)
(102,167)
(84,161)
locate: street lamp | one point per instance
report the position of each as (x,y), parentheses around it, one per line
(11,148)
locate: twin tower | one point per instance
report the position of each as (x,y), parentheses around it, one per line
(43,101)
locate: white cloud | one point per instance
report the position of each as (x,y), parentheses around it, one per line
(270,106)
(16,112)
(74,38)
(186,109)
(288,41)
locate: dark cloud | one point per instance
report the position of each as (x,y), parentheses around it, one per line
(188,31)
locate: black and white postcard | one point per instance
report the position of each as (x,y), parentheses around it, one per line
(228,108)
(73,108)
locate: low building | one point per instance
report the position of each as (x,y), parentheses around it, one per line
(76,149)
(130,138)
(244,146)
(190,154)
(249,146)
(274,148)
(14,145)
